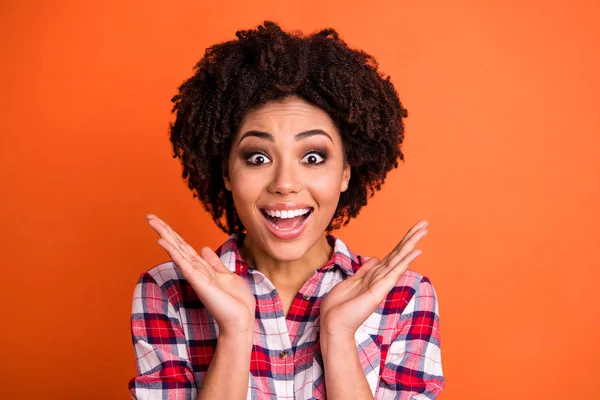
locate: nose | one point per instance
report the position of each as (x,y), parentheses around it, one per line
(286,179)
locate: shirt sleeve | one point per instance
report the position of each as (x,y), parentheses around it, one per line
(413,365)
(164,370)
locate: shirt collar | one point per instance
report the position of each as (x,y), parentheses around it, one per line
(341,257)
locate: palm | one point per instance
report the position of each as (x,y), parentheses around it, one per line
(351,301)
(226,296)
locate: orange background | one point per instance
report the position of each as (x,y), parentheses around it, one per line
(502,146)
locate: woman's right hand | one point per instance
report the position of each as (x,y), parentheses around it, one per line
(226,296)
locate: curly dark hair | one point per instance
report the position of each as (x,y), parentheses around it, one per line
(267,64)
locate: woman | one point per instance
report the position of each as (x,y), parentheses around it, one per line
(283,137)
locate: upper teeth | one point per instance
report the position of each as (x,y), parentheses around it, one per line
(287,213)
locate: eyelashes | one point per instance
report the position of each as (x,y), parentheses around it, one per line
(315,155)
(255,157)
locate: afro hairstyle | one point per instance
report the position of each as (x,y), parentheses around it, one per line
(268,64)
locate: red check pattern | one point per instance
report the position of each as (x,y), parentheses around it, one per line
(174,336)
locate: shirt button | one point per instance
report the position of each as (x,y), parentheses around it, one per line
(283,355)
(306,296)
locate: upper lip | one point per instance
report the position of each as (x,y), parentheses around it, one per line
(284,206)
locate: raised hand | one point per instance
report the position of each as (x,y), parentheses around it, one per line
(351,301)
(226,295)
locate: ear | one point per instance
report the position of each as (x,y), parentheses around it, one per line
(226,179)
(227,182)
(345,177)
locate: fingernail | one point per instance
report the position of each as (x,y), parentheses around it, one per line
(425,224)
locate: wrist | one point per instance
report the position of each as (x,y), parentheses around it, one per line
(239,329)
(336,332)
(240,339)
(339,343)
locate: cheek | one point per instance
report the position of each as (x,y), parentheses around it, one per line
(325,187)
(246,185)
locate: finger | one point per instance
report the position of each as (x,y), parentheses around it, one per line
(187,266)
(185,245)
(402,266)
(202,286)
(170,231)
(412,242)
(162,229)
(408,247)
(367,266)
(169,234)
(212,259)
(419,225)
(385,282)
(185,250)
(179,260)
(411,232)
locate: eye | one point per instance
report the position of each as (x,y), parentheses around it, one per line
(314,157)
(258,159)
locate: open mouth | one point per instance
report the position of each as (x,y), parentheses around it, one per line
(287,219)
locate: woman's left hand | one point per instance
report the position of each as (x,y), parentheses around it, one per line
(351,301)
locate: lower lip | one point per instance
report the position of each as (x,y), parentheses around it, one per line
(286,234)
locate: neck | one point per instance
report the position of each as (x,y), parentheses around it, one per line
(290,275)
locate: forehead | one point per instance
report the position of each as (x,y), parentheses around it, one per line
(287,117)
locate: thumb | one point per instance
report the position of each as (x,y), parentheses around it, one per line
(212,259)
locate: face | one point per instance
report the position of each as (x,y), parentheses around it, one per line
(286,171)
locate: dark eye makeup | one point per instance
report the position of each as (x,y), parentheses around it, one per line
(257,155)
(311,156)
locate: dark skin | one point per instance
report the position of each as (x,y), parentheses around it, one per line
(287,290)
(284,171)
(218,288)
(230,301)
(289,158)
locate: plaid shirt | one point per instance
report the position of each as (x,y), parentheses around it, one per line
(175,338)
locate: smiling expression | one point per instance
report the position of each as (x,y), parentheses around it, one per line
(286,171)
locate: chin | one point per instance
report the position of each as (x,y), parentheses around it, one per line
(291,251)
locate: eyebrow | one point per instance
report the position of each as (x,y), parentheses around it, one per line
(271,138)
